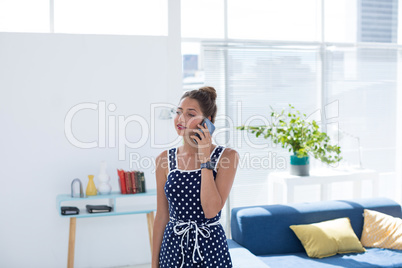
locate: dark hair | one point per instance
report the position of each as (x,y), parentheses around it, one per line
(206,97)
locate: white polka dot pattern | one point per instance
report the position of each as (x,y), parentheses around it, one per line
(182,191)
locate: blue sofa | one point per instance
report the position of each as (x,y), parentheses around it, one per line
(261,236)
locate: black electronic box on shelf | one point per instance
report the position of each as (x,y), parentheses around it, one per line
(70,211)
(98,208)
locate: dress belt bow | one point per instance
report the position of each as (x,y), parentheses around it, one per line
(184,228)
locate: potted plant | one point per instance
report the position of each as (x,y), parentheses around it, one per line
(302,137)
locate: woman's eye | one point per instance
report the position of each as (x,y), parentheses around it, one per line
(177,112)
(191,115)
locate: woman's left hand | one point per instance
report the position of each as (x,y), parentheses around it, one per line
(204,144)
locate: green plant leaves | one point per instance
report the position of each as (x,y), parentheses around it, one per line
(293,131)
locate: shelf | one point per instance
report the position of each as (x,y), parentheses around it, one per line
(136,210)
(67,197)
(112,197)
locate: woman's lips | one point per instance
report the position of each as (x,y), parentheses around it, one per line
(180,127)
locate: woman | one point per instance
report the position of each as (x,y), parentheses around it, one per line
(193,183)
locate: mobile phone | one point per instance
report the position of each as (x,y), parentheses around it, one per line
(210,127)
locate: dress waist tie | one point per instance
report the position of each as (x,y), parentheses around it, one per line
(184,228)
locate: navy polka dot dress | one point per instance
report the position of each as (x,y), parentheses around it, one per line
(190,239)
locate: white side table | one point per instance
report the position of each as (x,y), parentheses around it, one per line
(322,177)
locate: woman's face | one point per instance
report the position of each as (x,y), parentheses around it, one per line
(188,116)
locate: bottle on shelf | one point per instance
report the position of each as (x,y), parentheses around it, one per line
(104,187)
(91,189)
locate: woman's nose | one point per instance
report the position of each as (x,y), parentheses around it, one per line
(181,119)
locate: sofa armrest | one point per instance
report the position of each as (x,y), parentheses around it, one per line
(242,257)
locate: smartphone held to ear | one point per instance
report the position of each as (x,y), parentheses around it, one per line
(210,127)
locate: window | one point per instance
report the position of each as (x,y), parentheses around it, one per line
(274,20)
(364,83)
(122,17)
(24,16)
(276,54)
(340,20)
(125,17)
(193,69)
(202,19)
(251,79)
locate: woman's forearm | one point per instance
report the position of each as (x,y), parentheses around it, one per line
(211,200)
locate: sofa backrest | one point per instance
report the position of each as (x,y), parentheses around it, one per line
(265,229)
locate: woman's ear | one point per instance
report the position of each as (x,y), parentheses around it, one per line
(210,118)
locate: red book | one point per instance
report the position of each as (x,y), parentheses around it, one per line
(129,185)
(122,181)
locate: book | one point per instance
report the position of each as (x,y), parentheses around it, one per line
(131,182)
(141,181)
(122,181)
(129,185)
(140,188)
(134,181)
(138,181)
(143,188)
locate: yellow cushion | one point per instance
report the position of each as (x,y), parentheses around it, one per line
(381,230)
(328,238)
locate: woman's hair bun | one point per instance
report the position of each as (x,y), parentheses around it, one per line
(211,91)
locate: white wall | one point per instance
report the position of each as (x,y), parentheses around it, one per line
(42,76)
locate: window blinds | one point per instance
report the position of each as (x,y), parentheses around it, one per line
(249,80)
(358,84)
(364,83)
